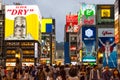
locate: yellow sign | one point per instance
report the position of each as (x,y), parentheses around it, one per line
(44,22)
(105,13)
(22,22)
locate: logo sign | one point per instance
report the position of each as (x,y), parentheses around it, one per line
(88,12)
(105,13)
(88,33)
(106,32)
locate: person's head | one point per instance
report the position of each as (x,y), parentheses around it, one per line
(107,68)
(95,67)
(107,42)
(70,24)
(116,72)
(73,72)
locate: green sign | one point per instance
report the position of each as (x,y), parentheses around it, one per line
(88,13)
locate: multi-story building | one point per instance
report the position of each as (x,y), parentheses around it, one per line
(106,37)
(48,44)
(22,35)
(117,27)
(71,30)
(2,21)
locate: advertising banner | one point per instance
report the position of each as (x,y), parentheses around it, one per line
(107,46)
(46,46)
(72,23)
(89,44)
(22,22)
(89,13)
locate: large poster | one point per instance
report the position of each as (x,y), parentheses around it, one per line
(22,22)
(72,23)
(89,13)
(107,46)
(46,46)
(89,44)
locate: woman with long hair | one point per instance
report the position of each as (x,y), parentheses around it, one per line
(115,75)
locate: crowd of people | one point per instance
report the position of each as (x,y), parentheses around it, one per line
(60,72)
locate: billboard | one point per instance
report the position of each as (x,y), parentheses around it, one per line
(107,46)
(72,23)
(46,46)
(105,14)
(89,13)
(47,24)
(89,44)
(22,22)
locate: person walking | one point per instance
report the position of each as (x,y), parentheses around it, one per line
(106,74)
(94,73)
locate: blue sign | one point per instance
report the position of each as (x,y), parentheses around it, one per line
(66,53)
(89,44)
(88,33)
(109,50)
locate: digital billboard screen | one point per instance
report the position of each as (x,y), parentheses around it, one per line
(72,23)
(89,44)
(22,22)
(89,13)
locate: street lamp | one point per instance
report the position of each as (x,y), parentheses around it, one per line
(18,58)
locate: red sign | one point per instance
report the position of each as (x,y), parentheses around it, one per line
(73,48)
(72,23)
(87,21)
(20,10)
(116,38)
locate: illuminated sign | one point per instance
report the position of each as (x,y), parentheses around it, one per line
(72,23)
(105,13)
(72,47)
(88,12)
(88,33)
(89,44)
(105,32)
(47,24)
(22,22)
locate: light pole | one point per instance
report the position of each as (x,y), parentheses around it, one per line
(18,58)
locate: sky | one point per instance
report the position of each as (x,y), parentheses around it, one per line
(58,9)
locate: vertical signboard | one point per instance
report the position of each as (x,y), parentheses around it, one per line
(72,23)
(89,13)
(66,53)
(45,46)
(36,50)
(116,21)
(89,44)
(107,46)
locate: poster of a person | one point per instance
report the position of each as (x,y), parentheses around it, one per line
(107,49)
(71,28)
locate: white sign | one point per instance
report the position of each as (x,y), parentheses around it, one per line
(36,50)
(105,32)
(89,33)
